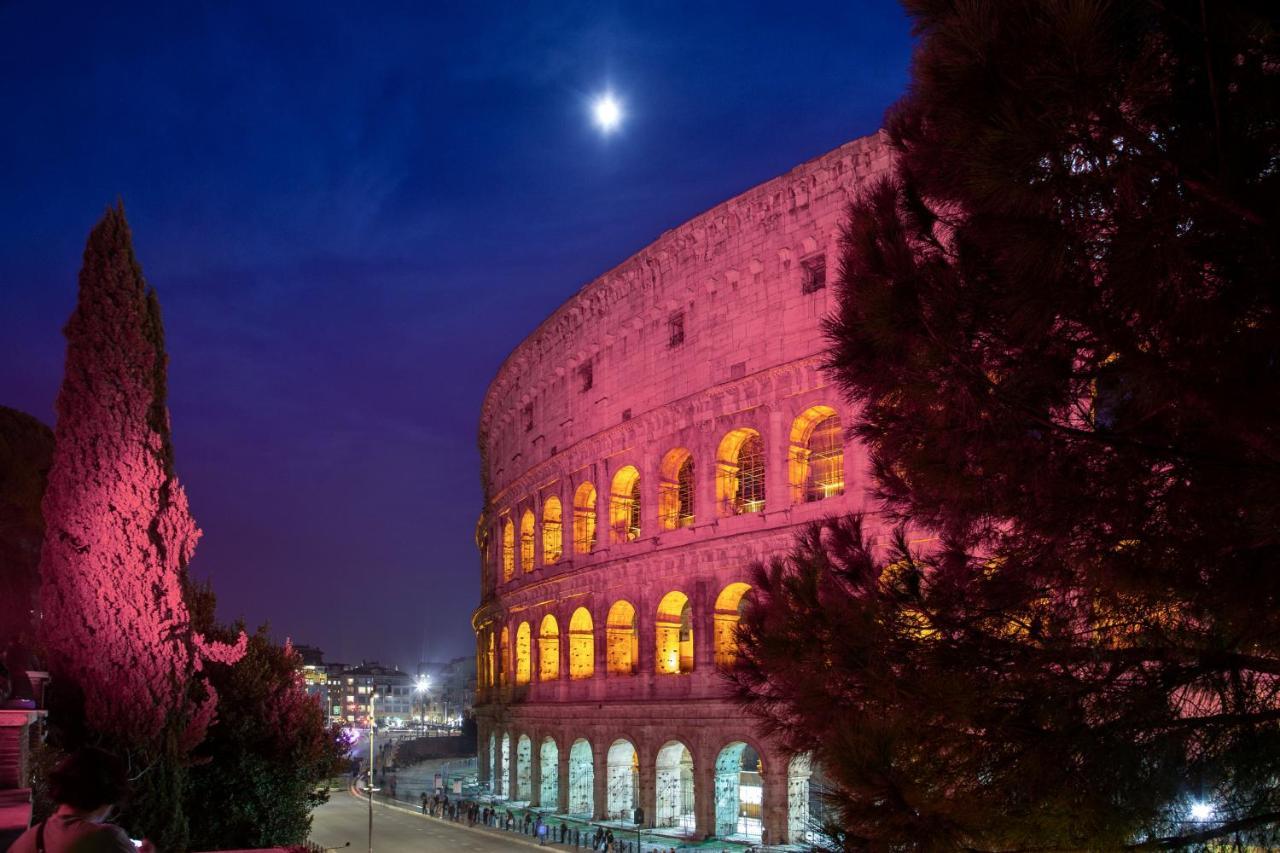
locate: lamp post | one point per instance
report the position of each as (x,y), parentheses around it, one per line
(420,689)
(372,695)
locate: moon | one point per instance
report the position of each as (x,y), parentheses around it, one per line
(607,112)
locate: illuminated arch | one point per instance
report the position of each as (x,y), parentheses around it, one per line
(504,659)
(527,525)
(624,505)
(582,645)
(492,671)
(549,761)
(581,779)
(622,778)
(524,769)
(674,786)
(816,455)
(674,635)
(552,531)
(524,654)
(676,490)
(548,649)
(725,619)
(501,778)
(508,550)
(584,519)
(740,472)
(739,791)
(622,641)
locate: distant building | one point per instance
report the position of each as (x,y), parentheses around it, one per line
(392,689)
(452,691)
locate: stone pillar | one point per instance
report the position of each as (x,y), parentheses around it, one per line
(483,758)
(562,775)
(774,809)
(599,624)
(777,440)
(705,471)
(704,791)
(600,781)
(645,636)
(535,770)
(650,481)
(647,796)
(702,604)
(512,762)
(604,493)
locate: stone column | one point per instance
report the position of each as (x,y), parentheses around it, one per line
(650,480)
(483,759)
(512,762)
(705,471)
(704,791)
(604,493)
(702,603)
(774,809)
(645,636)
(777,441)
(600,781)
(562,775)
(535,770)
(647,796)
(599,622)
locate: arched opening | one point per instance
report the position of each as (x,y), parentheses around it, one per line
(548,649)
(816,456)
(584,519)
(582,645)
(493,763)
(622,641)
(727,614)
(740,472)
(524,654)
(504,761)
(491,671)
(675,490)
(674,633)
(739,792)
(526,541)
(624,505)
(524,769)
(581,779)
(549,771)
(504,657)
(508,550)
(622,780)
(674,783)
(552,532)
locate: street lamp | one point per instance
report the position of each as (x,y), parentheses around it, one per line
(420,689)
(372,695)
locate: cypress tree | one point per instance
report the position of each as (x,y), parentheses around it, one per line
(115,627)
(1059,324)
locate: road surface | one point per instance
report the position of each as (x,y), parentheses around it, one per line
(345,818)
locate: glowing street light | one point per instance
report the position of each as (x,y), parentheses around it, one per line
(1201,811)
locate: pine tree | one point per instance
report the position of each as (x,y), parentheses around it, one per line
(115,626)
(1058,321)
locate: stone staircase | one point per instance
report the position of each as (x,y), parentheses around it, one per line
(16,728)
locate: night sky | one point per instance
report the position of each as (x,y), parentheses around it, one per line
(351,214)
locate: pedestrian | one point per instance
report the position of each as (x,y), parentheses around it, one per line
(424,802)
(542,832)
(608,840)
(87,785)
(564,831)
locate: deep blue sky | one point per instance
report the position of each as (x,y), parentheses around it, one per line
(352,213)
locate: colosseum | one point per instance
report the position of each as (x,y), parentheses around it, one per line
(658,433)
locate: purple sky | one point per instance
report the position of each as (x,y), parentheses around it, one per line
(351,216)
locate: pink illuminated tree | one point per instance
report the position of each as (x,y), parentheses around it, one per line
(119,534)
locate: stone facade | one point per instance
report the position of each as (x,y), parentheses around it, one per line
(662,430)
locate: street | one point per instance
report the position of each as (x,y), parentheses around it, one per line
(346,818)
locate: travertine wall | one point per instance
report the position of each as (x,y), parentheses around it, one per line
(713,328)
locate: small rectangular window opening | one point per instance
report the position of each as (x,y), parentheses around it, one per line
(675,330)
(585,373)
(814,271)
(528,418)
